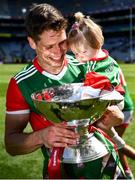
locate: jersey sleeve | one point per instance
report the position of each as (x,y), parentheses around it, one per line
(122,78)
(15,102)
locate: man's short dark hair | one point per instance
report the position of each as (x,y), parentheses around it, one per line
(43,17)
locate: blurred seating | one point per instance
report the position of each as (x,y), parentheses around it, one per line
(113,15)
(14,8)
(120,48)
(16,52)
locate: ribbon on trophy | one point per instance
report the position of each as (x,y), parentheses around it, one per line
(109,143)
(54,170)
(103,136)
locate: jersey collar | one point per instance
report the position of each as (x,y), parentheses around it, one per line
(52,76)
(102,58)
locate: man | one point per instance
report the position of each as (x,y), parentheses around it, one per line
(46,35)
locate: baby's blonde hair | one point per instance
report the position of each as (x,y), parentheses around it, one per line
(79,16)
(86,30)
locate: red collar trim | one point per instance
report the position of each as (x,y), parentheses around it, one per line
(40,69)
(102,58)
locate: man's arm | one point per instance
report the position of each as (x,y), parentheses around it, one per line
(18,142)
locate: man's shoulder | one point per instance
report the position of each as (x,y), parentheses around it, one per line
(24,68)
(26,71)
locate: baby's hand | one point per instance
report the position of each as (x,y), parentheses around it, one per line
(112,117)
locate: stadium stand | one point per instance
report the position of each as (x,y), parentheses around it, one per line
(117,19)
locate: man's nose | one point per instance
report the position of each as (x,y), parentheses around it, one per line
(57,49)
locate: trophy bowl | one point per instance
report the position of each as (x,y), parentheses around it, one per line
(73,102)
(80,106)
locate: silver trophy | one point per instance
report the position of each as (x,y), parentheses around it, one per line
(80,106)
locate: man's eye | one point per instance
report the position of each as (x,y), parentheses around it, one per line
(63,43)
(84,51)
(49,47)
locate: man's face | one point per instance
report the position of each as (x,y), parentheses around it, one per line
(51,49)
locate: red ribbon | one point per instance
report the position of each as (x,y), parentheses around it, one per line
(54,170)
(92,128)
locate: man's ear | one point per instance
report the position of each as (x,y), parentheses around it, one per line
(31,43)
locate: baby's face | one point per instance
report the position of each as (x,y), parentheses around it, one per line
(83,54)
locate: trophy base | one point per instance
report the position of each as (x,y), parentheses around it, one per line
(87,170)
(102,168)
(91,150)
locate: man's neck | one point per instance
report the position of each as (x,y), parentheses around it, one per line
(50,69)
